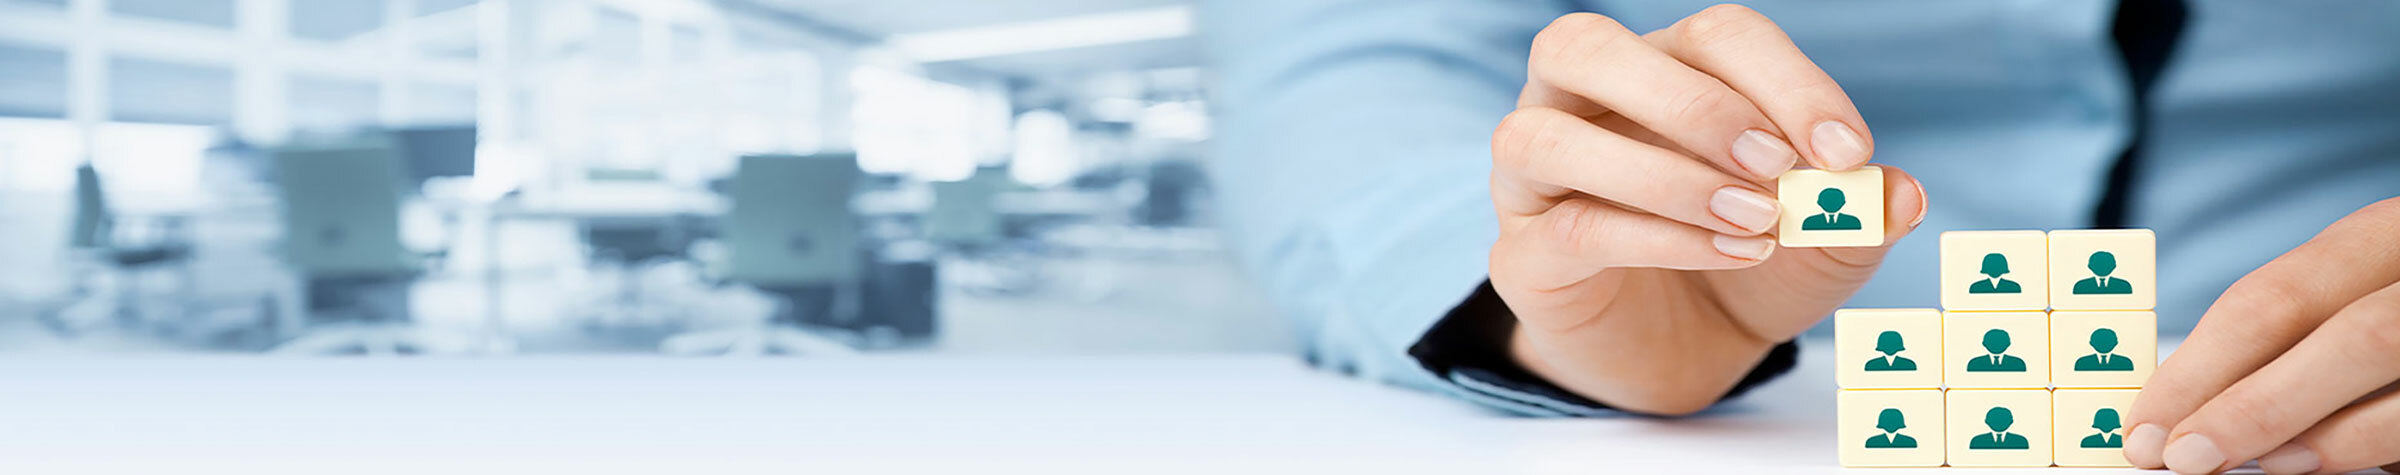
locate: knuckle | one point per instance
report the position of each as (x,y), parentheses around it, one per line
(1579,224)
(1574,37)
(2265,296)
(1697,103)
(1522,134)
(1721,24)
(2244,416)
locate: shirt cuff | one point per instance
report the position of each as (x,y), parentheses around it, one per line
(1467,349)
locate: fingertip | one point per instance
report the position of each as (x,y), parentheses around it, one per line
(1749,250)
(1838,146)
(2143,446)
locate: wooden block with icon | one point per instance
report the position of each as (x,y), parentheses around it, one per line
(1831,209)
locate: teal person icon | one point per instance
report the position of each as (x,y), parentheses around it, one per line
(2103,341)
(1891,423)
(2106,421)
(1889,344)
(2101,264)
(1994,265)
(1832,219)
(1997,342)
(1999,438)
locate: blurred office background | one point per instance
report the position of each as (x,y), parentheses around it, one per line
(693,177)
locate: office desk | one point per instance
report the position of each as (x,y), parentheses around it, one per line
(916,414)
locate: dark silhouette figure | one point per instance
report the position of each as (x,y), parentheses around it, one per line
(1831,200)
(2103,341)
(1889,344)
(1891,423)
(2100,283)
(1996,341)
(2106,421)
(1994,265)
(1999,438)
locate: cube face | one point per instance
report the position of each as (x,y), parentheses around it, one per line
(1888,348)
(2022,341)
(2102,349)
(1998,428)
(1890,428)
(1995,270)
(1831,209)
(2089,426)
(2103,269)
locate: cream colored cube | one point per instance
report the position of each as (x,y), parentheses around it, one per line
(2090,426)
(2102,349)
(1998,427)
(1995,270)
(1831,209)
(1890,427)
(2103,269)
(1890,348)
(1995,350)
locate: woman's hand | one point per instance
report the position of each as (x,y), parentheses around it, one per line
(1632,190)
(2294,366)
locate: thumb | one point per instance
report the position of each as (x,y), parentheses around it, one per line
(1796,287)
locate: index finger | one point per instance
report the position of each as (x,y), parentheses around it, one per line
(1585,64)
(1753,56)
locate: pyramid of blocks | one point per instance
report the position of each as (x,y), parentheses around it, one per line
(2042,341)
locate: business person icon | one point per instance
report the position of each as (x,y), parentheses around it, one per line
(1996,341)
(1995,265)
(2103,341)
(1891,422)
(2102,263)
(2106,421)
(1831,200)
(1999,438)
(1889,344)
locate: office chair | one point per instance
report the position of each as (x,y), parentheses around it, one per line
(790,233)
(94,242)
(341,222)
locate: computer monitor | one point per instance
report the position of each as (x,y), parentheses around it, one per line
(436,152)
(791,222)
(340,209)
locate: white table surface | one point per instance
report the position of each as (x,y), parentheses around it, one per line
(914,414)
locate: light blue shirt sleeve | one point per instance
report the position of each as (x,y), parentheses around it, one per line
(1353,158)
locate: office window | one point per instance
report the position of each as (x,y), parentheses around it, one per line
(443,104)
(142,90)
(448,29)
(36,82)
(330,105)
(906,123)
(217,13)
(335,20)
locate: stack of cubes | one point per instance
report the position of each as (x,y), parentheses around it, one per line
(2042,342)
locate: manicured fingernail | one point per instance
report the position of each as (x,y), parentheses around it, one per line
(2194,454)
(1746,209)
(1840,147)
(1924,203)
(2290,458)
(2143,444)
(1754,248)
(1763,154)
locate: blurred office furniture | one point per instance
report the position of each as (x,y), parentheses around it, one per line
(620,220)
(628,245)
(790,233)
(968,226)
(434,153)
(899,298)
(342,240)
(99,238)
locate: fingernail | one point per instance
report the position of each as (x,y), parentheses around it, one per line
(1746,209)
(2142,446)
(1924,203)
(2194,454)
(1840,147)
(1763,154)
(2290,458)
(1753,248)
